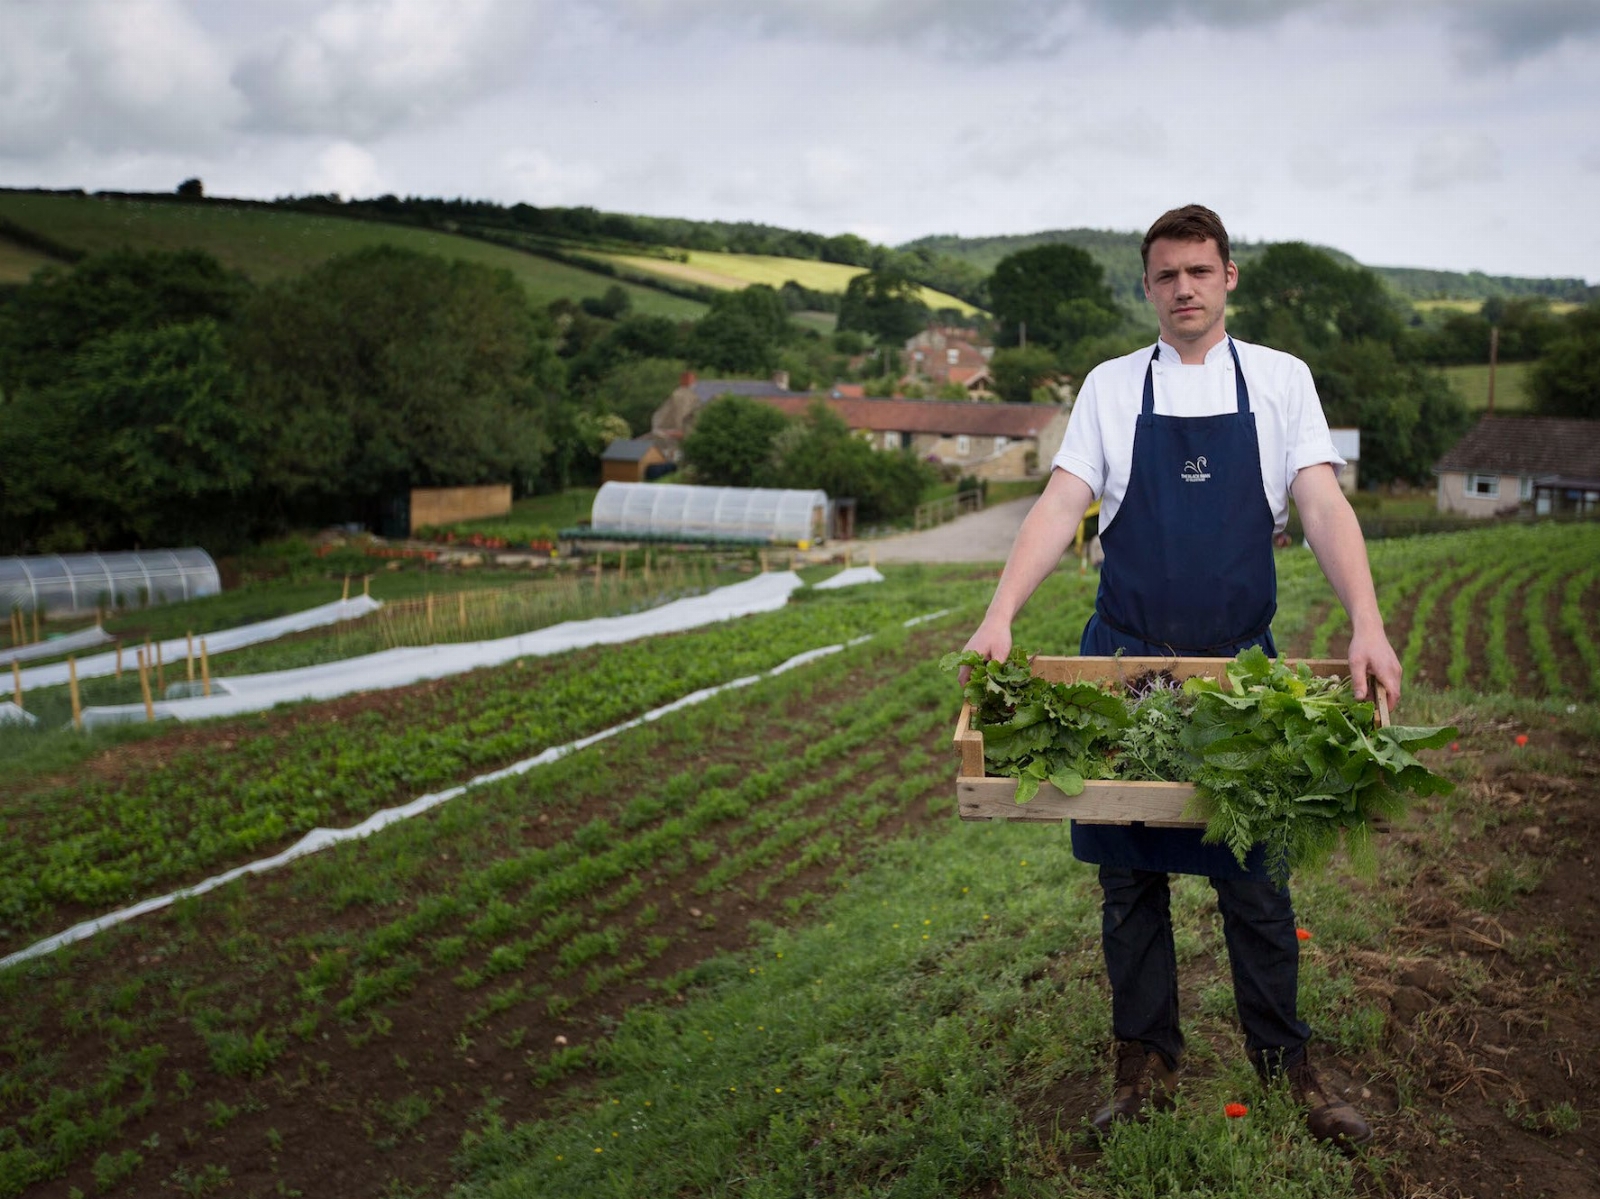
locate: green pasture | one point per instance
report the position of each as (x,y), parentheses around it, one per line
(1471,383)
(729,271)
(17,263)
(267,244)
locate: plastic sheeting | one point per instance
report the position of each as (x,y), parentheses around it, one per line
(11,714)
(657,510)
(49,648)
(402,667)
(221,641)
(849,577)
(65,583)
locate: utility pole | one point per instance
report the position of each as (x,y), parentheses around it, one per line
(1494,354)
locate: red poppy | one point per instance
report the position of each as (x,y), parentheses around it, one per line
(1303,933)
(1522,739)
(1234,1110)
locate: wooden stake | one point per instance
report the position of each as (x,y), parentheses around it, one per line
(430,614)
(144,687)
(16,629)
(72,684)
(161,671)
(36,636)
(119,660)
(366,586)
(461,608)
(205,669)
(16,683)
(346,594)
(763,561)
(599,565)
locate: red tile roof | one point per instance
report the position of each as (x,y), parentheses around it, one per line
(941,417)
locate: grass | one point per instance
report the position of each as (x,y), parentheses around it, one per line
(729,271)
(268,245)
(17,263)
(1471,383)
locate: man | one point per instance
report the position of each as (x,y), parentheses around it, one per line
(1194,449)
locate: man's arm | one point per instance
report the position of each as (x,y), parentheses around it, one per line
(1335,536)
(1050,526)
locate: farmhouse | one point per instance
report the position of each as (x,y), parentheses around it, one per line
(1550,464)
(985,440)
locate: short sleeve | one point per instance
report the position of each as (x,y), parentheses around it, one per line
(1307,441)
(1082,451)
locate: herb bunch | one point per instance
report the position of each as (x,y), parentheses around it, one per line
(1280,757)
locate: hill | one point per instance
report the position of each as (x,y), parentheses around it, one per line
(268,242)
(1118,253)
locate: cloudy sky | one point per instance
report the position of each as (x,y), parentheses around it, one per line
(1462,134)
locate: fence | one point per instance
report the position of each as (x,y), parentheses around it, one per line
(937,512)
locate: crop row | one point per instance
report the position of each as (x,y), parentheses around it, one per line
(522,932)
(99,842)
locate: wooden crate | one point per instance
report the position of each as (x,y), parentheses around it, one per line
(984,797)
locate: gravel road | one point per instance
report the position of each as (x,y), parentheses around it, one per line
(978,537)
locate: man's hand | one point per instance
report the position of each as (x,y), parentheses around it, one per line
(992,640)
(1371,654)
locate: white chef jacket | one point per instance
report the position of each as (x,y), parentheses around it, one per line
(1290,426)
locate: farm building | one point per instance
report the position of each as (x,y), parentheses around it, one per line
(986,440)
(1347,442)
(637,460)
(1549,464)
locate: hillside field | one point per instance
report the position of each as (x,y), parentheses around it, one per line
(1471,383)
(267,244)
(729,271)
(747,948)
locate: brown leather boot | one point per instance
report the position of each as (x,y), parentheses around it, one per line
(1144,1084)
(1328,1117)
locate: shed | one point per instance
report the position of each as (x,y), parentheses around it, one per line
(682,512)
(630,460)
(62,584)
(1347,444)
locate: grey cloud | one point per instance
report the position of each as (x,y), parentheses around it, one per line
(129,75)
(1451,159)
(1511,30)
(362,68)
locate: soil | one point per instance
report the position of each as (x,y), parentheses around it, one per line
(1485,1084)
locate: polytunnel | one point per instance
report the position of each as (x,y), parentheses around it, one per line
(59,584)
(683,512)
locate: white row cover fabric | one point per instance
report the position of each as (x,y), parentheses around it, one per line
(737,513)
(322,838)
(850,577)
(221,641)
(49,648)
(402,667)
(65,583)
(11,714)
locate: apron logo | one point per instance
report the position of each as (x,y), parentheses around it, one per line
(1195,472)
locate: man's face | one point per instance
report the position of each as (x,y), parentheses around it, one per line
(1189,283)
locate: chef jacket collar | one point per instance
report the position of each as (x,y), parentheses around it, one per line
(1168,354)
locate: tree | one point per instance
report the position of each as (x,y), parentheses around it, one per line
(1019,371)
(636,389)
(191,189)
(742,333)
(60,311)
(820,451)
(731,441)
(387,369)
(1408,415)
(1299,299)
(1056,293)
(884,304)
(1566,381)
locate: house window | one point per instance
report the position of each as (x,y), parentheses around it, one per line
(1525,488)
(952,356)
(1000,443)
(891,440)
(1485,487)
(963,445)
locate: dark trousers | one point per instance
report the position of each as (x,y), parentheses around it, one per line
(1263,951)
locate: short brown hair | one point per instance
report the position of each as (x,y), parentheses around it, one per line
(1192,222)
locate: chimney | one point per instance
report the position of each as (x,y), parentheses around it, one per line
(687,379)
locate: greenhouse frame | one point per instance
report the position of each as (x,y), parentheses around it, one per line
(62,584)
(684,512)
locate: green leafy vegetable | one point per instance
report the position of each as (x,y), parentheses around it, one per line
(1278,757)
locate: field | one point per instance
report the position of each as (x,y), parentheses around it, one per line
(1471,383)
(17,263)
(746,947)
(728,271)
(268,245)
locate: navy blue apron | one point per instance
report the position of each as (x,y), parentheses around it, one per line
(1189,573)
